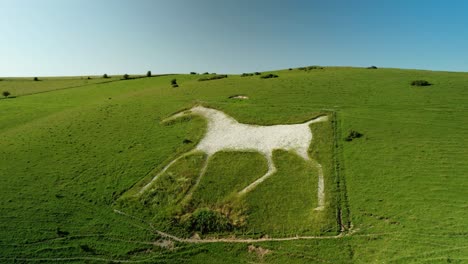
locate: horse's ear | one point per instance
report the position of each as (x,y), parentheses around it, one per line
(178,117)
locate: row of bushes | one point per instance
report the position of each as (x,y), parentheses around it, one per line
(250,74)
(125,76)
(214,77)
(310,68)
(268,76)
(205,73)
(420,83)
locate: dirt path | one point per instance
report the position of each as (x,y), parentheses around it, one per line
(242,240)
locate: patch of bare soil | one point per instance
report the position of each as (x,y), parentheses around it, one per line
(259,251)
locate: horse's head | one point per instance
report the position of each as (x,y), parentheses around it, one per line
(198,109)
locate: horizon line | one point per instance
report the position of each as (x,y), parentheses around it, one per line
(235,73)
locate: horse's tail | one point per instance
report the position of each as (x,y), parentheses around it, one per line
(317,119)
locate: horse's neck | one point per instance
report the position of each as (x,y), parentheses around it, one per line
(217,118)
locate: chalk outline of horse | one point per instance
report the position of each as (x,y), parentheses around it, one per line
(204,146)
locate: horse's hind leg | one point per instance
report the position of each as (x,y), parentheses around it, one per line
(271,170)
(320,189)
(163,170)
(321,181)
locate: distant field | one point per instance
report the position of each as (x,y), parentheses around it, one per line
(26,86)
(72,155)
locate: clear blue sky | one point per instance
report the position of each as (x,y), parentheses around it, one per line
(84,37)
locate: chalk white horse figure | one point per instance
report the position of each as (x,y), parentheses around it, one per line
(225,133)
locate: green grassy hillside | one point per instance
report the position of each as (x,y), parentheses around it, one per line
(70,157)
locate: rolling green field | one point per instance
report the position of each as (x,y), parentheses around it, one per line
(74,151)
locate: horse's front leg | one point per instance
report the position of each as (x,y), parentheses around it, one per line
(164,170)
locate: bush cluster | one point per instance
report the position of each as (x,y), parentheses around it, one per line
(352,135)
(204,220)
(268,76)
(105,76)
(372,67)
(6,93)
(420,83)
(214,77)
(193,73)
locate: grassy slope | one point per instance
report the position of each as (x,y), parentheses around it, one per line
(66,155)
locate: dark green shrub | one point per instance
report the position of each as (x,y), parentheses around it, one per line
(352,135)
(290,69)
(204,220)
(126,76)
(268,76)
(36,79)
(258,73)
(86,248)
(6,93)
(420,83)
(372,67)
(105,76)
(61,233)
(205,73)
(193,73)
(174,83)
(246,74)
(148,74)
(89,78)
